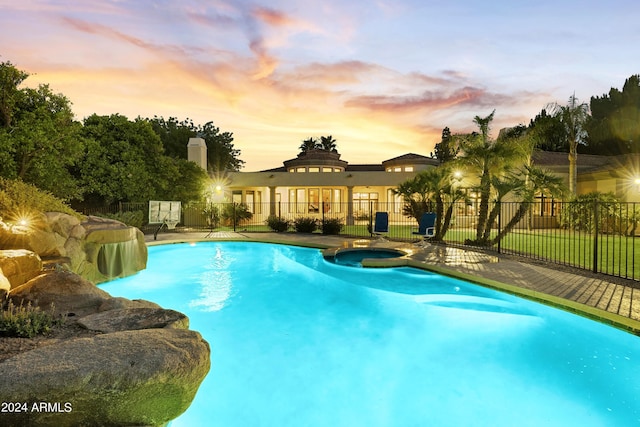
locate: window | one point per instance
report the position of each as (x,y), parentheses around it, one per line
(364,203)
(314,200)
(236,197)
(396,201)
(300,200)
(327,169)
(326,200)
(314,169)
(292,201)
(253,201)
(408,168)
(250,201)
(300,169)
(547,205)
(397,169)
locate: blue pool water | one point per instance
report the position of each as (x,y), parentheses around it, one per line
(297,341)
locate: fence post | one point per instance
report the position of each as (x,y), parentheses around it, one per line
(499,223)
(370,219)
(596,231)
(234,217)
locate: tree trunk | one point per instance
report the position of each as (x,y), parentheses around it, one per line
(573,169)
(485,193)
(446,222)
(490,220)
(520,213)
(439,214)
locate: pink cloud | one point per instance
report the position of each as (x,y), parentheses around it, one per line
(273,17)
(428,100)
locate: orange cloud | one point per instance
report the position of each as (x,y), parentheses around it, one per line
(273,17)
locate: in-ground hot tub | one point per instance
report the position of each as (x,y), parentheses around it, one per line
(353,257)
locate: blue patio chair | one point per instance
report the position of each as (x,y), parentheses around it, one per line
(381,223)
(426,226)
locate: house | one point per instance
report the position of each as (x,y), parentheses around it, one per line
(320,182)
(619,175)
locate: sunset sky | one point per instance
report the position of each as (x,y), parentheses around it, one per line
(382,77)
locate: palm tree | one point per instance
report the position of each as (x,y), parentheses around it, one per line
(498,165)
(431,188)
(309,144)
(327,143)
(533,180)
(574,117)
(488,159)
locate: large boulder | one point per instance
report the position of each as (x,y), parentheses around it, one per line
(143,368)
(69,293)
(19,266)
(5,285)
(117,303)
(133,319)
(145,377)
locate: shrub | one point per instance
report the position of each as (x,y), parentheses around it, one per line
(277,224)
(240,211)
(212,214)
(579,213)
(18,198)
(26,321)
(131,218)
(332,226)
(305,224)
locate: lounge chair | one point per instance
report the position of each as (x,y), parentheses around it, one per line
(426,226)
(381,223)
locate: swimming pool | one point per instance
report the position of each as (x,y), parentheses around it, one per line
(298,341)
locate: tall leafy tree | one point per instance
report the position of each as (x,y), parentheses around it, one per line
(124,161)
(221,154)
(174,134)
(446,150)
(10,79)
(39,138)
(120,160)
(548,132)
(614,124)
(573,117)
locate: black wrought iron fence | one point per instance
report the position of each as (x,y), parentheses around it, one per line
(602,237)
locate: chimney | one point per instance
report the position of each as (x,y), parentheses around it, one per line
(197,152)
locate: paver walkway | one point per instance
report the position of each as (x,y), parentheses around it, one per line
(612,295)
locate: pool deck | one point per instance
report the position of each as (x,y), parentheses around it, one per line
(608,299)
